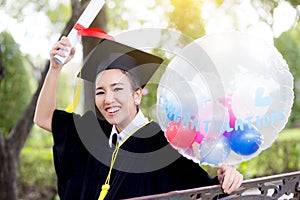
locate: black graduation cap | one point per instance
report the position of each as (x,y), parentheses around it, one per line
(109,54)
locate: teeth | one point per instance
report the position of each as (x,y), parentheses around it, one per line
(112,110)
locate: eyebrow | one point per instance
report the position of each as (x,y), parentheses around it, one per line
(114,84)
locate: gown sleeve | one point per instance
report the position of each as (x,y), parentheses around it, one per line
(68,150)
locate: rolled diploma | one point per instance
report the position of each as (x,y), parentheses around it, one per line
(85,20)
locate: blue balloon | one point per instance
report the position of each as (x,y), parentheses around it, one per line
(245,142)
(214,152)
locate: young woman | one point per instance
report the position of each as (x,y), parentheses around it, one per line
(128,169)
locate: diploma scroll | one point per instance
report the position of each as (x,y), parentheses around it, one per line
(85,20)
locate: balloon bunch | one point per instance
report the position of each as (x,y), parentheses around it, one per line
(215,145)
(233,95)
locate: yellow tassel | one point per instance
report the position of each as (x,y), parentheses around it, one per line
(73,105)
(104,191)
(70,109)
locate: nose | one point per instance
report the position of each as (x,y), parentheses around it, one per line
(109,97)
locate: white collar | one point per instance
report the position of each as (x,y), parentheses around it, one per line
(138,121)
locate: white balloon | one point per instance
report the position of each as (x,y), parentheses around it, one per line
(229,64)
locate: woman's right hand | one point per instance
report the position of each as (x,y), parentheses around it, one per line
(63,44)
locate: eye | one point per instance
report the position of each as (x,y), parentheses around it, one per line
(118,89)
(99,92)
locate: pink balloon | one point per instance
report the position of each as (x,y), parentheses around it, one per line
(199,137)
(227,102)
(211,117)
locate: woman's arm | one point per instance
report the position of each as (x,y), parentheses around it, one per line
(46,103)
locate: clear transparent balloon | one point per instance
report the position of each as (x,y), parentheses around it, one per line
(225,98)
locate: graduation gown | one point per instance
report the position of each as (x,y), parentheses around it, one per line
(146,164)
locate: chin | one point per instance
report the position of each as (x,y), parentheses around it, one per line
(111,120)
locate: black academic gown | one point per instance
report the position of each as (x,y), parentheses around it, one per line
(81,170)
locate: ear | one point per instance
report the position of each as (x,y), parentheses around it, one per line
(137,95)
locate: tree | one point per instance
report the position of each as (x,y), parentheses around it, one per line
(16,81)
(16,84)
(2,71)
(12,143)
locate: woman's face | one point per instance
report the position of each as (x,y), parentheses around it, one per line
(115,97)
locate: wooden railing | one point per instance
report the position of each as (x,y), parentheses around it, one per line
(282,186)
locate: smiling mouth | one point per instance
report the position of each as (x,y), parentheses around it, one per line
(112,110)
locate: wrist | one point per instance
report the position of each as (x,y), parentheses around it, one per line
(54,72)
(55,68)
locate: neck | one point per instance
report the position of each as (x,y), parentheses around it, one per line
(119,129)
(121,126)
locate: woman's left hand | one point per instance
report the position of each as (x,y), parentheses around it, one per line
(229,178)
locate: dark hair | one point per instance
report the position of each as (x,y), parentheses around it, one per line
(134,80)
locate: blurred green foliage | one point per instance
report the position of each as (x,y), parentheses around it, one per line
(55,17)
(16,87)
(36,176)
(289,46)
(115,10)
(58,12)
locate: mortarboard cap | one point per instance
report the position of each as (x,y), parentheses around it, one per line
(109,54)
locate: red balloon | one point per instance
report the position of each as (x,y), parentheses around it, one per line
(180,136)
